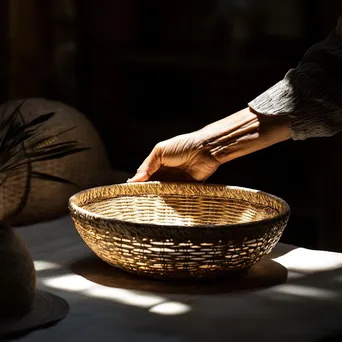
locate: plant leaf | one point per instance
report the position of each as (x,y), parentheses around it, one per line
(39,120)
(9,130)
(44,142)
(27,187)
(58,155)
(53,148)
(47,177)
(9,118)
(23,142)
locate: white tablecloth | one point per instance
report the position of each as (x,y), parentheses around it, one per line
(109,305)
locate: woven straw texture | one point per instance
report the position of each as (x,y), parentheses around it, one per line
(178,230)
(47,199)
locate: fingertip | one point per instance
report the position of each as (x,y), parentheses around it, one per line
(139,177)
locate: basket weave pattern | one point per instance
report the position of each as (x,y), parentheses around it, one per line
(178,231)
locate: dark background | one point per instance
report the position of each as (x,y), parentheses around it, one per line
(143,71)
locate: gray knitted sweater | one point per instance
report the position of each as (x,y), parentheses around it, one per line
(310,94)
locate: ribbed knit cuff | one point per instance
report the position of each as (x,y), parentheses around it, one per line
(277,100)
(311,126)
(305,121)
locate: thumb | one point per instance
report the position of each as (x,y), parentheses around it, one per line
(150,166)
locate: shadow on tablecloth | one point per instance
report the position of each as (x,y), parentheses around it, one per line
(265,273)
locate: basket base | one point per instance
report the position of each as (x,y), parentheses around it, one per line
(265,273)
(187,277)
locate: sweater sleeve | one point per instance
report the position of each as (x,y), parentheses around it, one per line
(311,94)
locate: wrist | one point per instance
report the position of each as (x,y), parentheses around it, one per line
(230,124)
(242,133)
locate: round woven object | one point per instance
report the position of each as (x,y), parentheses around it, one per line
(47,199)
(177,230)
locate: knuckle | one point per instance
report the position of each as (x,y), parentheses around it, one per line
(160,146)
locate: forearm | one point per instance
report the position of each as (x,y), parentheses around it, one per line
(242,133)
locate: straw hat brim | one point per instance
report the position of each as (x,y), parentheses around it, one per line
(48,309)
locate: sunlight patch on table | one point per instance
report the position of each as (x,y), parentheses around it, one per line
(68,282)
(123,296)
(310,261)
(75,283)
(170,308)
(41,265)
(305,291)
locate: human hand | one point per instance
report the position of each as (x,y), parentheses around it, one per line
(197,155)
(180,158)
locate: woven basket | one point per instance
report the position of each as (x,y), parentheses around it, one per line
(177,230)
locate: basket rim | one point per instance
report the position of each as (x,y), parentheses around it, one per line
(100,218)
(74,208)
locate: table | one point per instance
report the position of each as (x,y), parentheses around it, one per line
(302,302)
